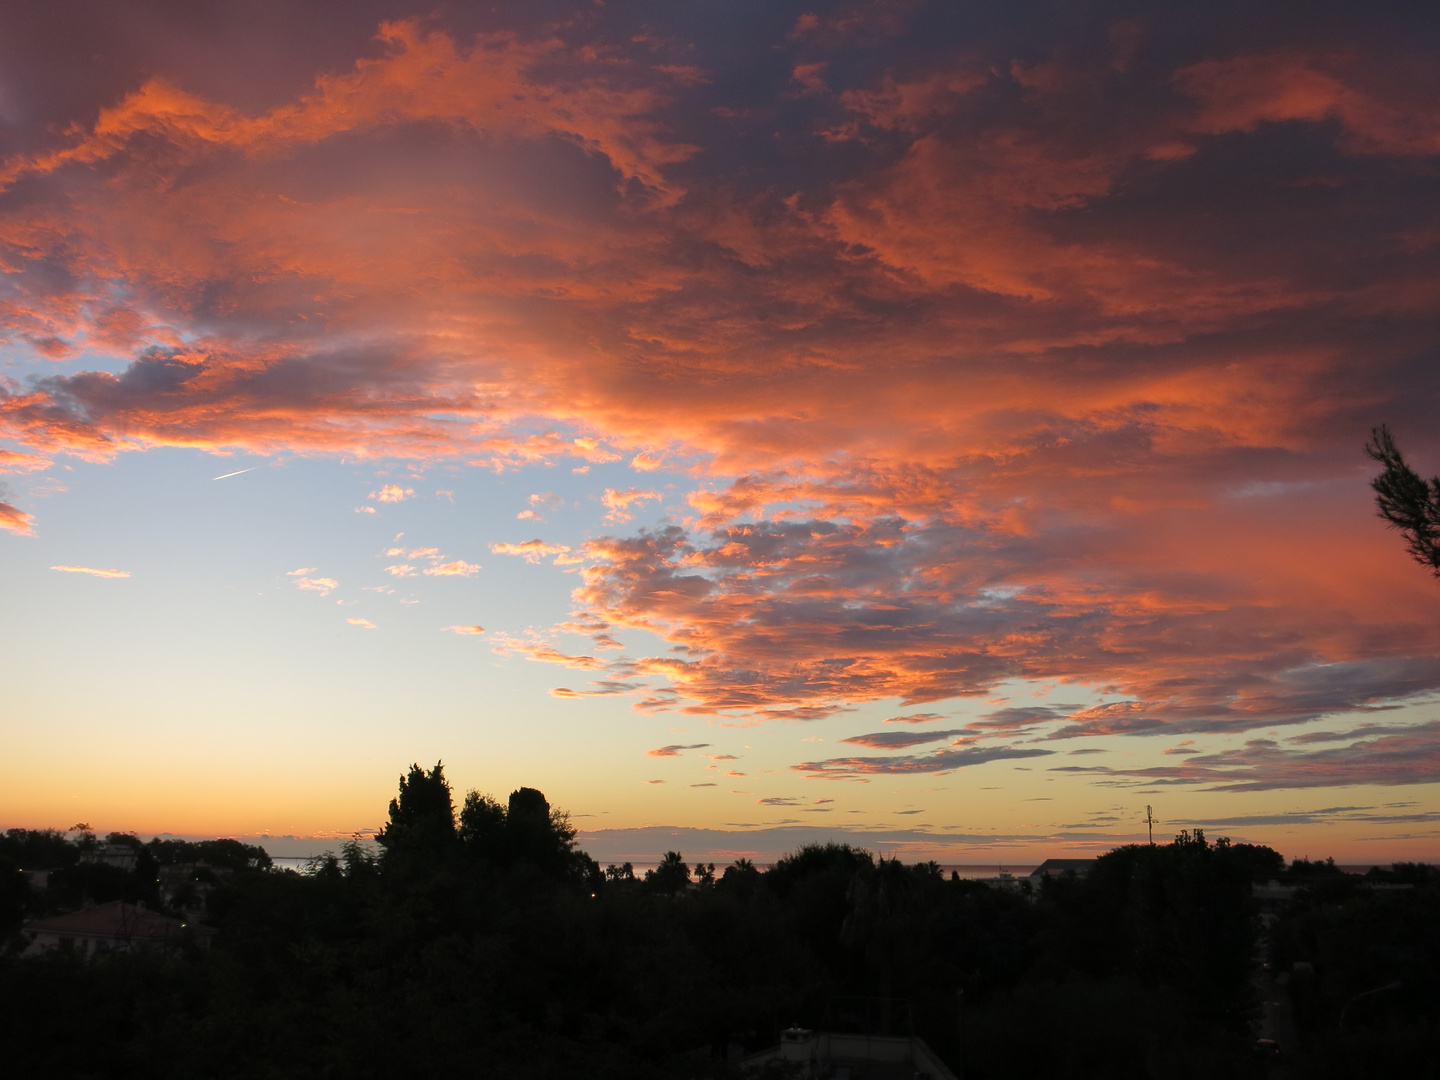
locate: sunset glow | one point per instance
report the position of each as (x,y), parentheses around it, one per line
(931,424)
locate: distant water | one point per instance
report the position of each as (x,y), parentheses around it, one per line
(964,870)
(298,863)
(989,870)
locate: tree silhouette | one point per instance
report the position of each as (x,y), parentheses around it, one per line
(536,833)
(482,827)
(422,820)
(1406,500)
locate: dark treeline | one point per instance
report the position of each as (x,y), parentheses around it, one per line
(483,942)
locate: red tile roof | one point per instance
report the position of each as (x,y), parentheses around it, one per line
(116,919)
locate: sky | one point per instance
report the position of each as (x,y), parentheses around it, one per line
(935,426)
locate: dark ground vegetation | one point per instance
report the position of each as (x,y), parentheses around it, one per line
(484,943)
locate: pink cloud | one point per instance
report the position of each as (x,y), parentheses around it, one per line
(464,629)
(92,571)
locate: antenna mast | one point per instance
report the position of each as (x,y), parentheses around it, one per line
(1150,821)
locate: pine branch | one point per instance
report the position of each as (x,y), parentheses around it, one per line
(1406,500)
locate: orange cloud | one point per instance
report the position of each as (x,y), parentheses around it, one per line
(532,550)
(1243,92)
(981,370)
(674,750)
(464,629)
(92,571)
(391,493)
(364,624)
(16,520)
(621,503)
(458,568)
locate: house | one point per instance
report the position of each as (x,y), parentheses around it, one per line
(845,1055)
(118,855)
(116,926)
(1053,868)
(185,885)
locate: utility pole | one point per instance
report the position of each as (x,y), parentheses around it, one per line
(1150,821)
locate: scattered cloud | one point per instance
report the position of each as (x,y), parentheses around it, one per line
(899,740)
(1020,718)
(674,750)
(464,629)
(458,568)
(533,550)
(1410,755)
(324,585)
(92,571)
(13,519)
(391,493)
(621,504)
(940,762)
(364,624)
(603,688)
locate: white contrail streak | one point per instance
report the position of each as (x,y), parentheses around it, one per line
(236,473)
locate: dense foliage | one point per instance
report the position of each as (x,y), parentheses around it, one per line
(484,943)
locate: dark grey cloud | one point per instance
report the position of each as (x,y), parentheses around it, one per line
(899,740)
(1408,756)
(941,761)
